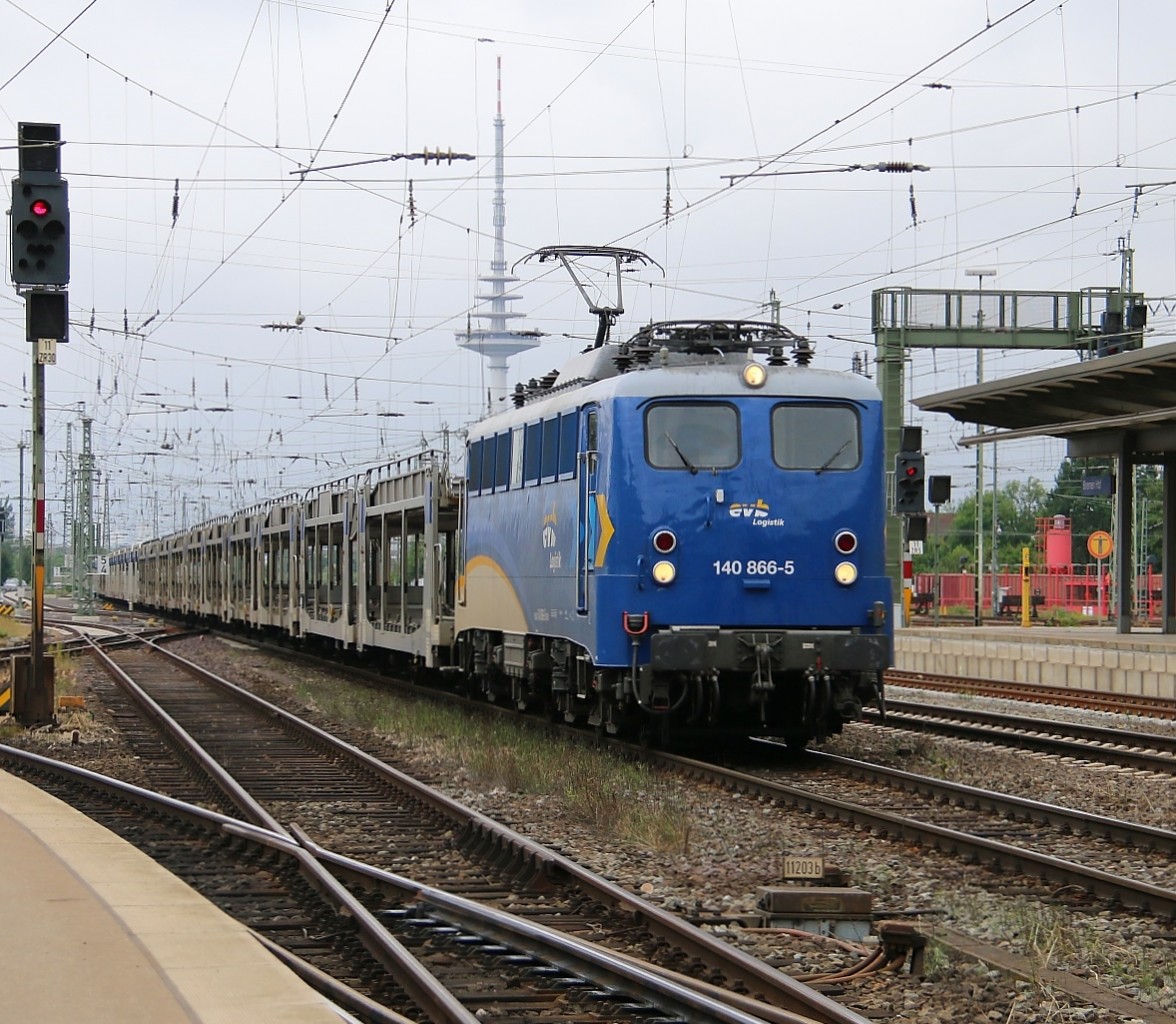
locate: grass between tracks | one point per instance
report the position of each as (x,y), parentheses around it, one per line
(595,787)
(1055,938)
(10,627)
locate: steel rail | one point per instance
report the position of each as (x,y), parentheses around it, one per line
(1093,733)
(213,821)
(1037,693)
(759,979)
(1134,750)
(333,989)
(430,995)
(617,971)
(587,959)
(1127,833)
(1128,891)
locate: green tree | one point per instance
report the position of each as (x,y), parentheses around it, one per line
(1019,504)
(1087,513)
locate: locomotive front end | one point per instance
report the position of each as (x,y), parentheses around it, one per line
(752,518)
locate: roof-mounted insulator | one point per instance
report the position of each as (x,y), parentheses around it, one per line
(519,395)
(777,356)
(802,352)
(547,381)
(623,358)
(642,350)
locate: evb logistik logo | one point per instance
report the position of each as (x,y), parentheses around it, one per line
(758,513)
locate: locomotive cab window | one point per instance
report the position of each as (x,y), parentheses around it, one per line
(817,437)
(692,436)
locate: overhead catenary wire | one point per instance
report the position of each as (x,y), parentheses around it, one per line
(714,280)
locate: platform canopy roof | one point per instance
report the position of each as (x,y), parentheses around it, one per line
(1101,406)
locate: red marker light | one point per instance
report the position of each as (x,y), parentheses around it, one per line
(40,208)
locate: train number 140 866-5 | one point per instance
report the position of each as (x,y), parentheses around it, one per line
(754,567)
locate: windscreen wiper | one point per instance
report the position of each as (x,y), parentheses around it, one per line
(685,461)
(830,460)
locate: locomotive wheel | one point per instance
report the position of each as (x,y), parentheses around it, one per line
(654,732)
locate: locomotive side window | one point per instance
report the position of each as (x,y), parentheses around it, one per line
(487,465)
(550,449)
(516,458)
(502,462)
(569,428)
(816,437)
(534,448)
(692,436)
(474,467)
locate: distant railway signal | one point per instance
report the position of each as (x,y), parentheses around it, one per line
(46,315)
(939,489)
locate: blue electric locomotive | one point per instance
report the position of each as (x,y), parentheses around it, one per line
(679,535)
(682,534)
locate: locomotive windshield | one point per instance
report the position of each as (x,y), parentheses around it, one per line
(817,437)
(692,435)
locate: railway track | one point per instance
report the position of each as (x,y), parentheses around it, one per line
(1094,700)
(978,826)
(1154,752)
(357,804)
(1086,744)
(1054,868)
(239,874)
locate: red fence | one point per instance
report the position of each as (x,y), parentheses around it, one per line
(1081,591)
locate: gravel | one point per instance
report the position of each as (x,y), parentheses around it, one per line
(737,844)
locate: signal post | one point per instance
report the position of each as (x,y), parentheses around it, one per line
(909,482)
(39,232)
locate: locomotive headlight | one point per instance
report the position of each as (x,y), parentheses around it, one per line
(754,375)
(845,573)
(664,572)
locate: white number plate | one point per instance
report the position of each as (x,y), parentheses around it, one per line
(804,867)
(754,567)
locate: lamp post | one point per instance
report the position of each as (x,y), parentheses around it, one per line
(980,275)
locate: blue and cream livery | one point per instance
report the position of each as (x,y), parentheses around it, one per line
(683,533)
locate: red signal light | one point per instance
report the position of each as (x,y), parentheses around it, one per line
(40,208)
(911,471)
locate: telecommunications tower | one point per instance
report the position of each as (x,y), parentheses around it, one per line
(495,341)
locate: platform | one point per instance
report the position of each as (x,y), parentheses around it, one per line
(1142,663)
(96,931)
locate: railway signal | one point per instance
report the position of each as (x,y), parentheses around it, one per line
(909,483)
(39,218)
(40,232)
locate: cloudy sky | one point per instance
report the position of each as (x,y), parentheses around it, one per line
(265,288)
